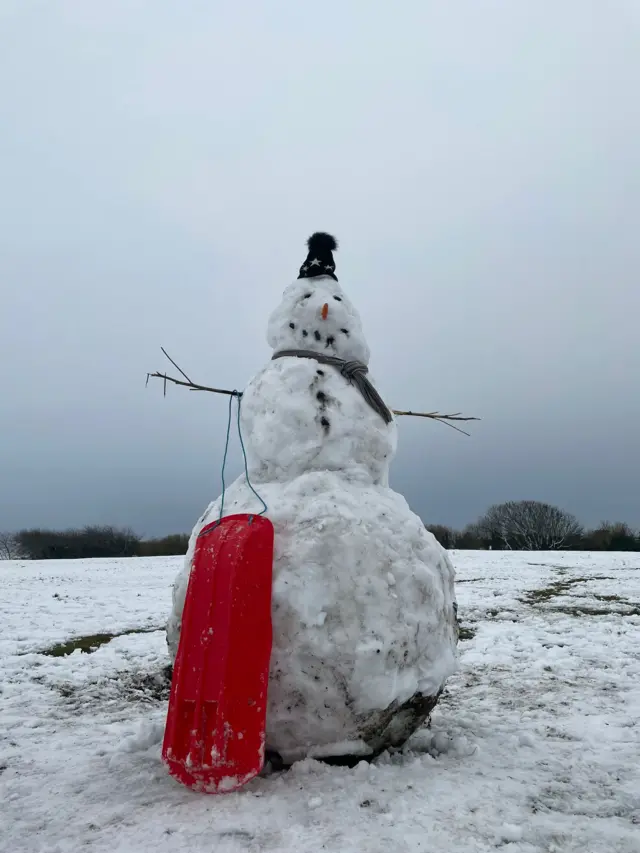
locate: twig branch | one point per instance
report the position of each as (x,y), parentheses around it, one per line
(175,365)
(436,416)
(440,418)
(444,419)
(193,386)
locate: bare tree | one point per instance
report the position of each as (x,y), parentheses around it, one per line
(529,526)
(9,548)
(471,537)
(612,536)
(446,536)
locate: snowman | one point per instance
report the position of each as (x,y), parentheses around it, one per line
(363,602)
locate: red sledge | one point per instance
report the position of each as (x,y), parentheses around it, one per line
(215,735)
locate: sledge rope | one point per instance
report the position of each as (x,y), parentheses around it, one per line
(355,372)
(238,396)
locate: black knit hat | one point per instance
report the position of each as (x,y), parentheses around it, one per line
(320,258)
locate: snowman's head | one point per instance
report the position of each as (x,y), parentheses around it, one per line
(315,314)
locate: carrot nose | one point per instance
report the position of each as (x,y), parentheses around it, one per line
(325,311)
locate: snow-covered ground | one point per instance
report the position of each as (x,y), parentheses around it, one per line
(535,745)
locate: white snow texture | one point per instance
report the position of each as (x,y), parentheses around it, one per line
(364,626)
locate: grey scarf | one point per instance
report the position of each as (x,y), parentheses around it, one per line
(355,372)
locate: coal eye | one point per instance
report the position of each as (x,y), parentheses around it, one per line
(293,325)
(338,298)
(307,296)
(345,331)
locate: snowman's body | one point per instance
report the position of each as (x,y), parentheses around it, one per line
(299,415)
(364,625)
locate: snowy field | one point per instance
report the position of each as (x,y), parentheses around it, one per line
(535,745)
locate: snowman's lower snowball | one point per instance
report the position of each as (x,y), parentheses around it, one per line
(364,624)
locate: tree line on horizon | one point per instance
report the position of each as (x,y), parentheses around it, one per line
(514,525)
(87,543)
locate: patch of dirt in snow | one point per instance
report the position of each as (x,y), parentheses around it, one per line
(589,610)
(121,688)
(582,602)
(540,594)
(90,643)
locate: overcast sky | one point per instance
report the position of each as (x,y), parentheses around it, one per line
(162,164)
